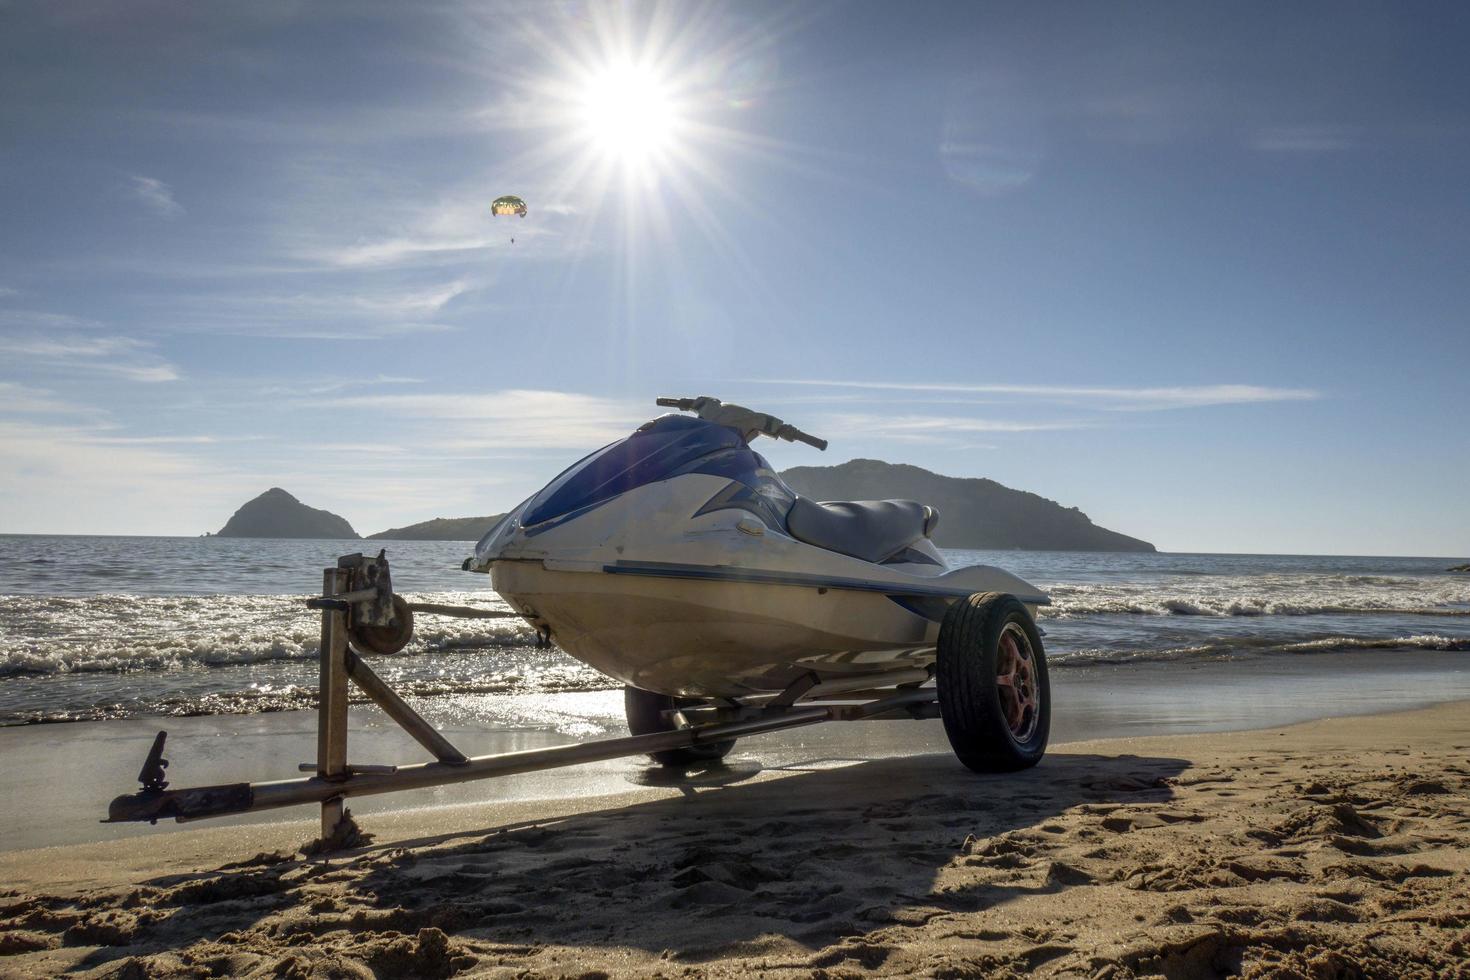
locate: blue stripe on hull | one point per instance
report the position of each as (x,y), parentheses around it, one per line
(725,573)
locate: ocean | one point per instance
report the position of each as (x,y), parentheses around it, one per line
(95,628)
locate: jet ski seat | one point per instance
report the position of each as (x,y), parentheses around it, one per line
(868,529)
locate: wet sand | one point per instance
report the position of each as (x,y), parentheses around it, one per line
(1338,847)
(58,778)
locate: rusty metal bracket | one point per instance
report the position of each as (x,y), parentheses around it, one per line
(370,589)
(793,693)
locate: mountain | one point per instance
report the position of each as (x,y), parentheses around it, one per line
(277,514)
(973,513)
(441,529)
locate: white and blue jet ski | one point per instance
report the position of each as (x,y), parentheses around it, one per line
(677,561)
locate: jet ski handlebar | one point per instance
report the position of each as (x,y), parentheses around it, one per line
(750,423)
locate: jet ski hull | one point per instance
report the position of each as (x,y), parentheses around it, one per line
(720,636)
(714,638)
(666,562)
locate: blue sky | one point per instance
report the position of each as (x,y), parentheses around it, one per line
(1196,269)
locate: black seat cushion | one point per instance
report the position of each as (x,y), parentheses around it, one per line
(868,529)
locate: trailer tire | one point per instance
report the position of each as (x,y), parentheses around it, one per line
(646,715)
(994,695)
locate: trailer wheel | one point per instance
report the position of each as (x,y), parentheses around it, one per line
(648,713)
(994,695)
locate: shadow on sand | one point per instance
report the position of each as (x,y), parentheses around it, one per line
(837,848)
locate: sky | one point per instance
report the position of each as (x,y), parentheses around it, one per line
(1197,269)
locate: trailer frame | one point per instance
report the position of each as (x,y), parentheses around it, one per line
(360,610)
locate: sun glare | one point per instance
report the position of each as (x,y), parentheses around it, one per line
(628,113)
(632,118)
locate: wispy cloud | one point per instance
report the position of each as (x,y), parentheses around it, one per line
(155,195)
(19,399)
(194,440)
(445,232)
(514,418)
(120,357)
(41,320)
(81,478)
(1102,397)
(1303,139)
(398,251)
(342,311)
(538,420)
(931,428)
(79,449)
(326,387)
(345,125)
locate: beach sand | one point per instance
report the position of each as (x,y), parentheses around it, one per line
(1334,848)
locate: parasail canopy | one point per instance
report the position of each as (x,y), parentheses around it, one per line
(509,204)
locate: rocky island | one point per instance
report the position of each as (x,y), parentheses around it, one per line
(277,514)
(441,529)
(973,513)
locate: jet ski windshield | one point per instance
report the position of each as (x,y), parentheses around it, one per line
(659,449)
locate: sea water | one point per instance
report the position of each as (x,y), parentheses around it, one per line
(115,627)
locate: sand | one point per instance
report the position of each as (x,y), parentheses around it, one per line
(1335,848)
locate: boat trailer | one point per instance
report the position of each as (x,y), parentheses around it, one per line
(361,614)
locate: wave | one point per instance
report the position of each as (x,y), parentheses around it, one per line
(1256,647)
(1151,606)
(455,681)
(292,697)
(124,656)
(1336,595)
(111,634)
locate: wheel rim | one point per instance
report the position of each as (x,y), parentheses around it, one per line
(1015,680)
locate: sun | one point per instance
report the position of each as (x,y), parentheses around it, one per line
(633,120)
(628,113)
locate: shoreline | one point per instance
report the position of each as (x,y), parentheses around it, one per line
(1332,845)
(102,758)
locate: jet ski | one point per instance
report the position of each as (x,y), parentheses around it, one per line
(677,561)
